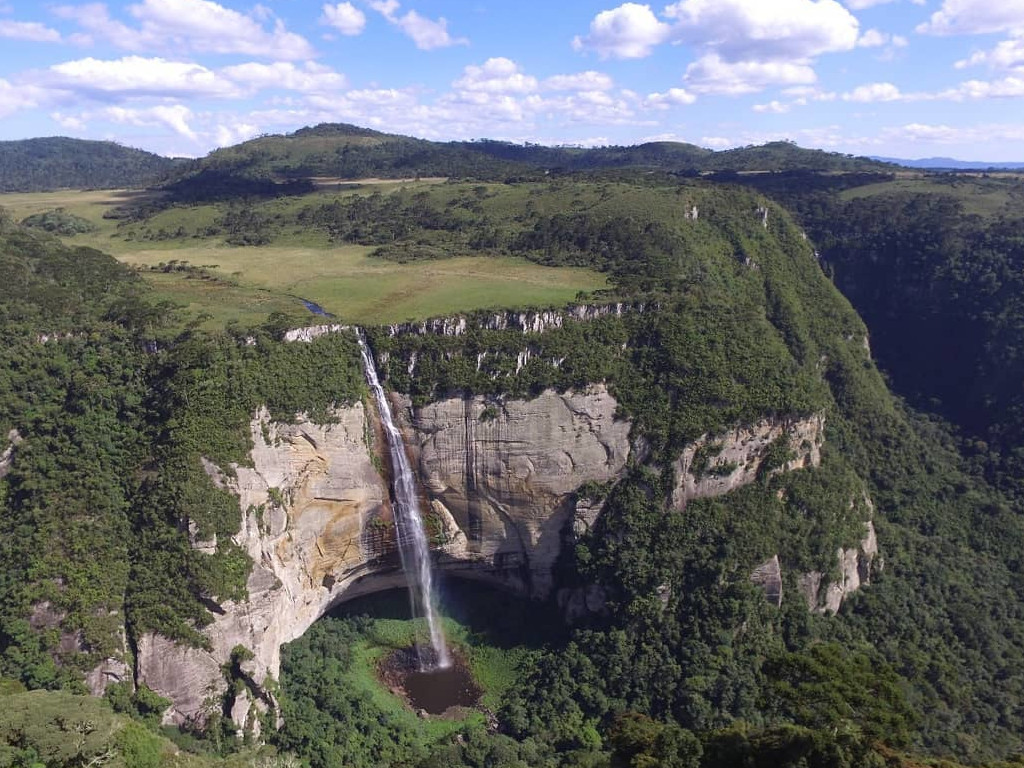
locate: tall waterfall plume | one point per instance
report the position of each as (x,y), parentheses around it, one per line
(412,539)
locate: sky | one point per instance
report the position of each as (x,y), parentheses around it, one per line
(898,78)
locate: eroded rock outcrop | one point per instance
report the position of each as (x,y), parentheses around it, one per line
(506,472)
(716,464)
(854,569)
(7,455)
(536,321)
(306,501)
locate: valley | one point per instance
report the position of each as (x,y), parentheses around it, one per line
(679,513)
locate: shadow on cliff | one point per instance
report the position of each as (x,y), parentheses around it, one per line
(493,616)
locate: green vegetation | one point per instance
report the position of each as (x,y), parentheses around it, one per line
(112,398)
(32,165)
(59,222)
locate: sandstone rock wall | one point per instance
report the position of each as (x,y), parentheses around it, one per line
(305,502)
(7,455)
(500,493)
(854,568)
(734,459)
(524,322)
(506,471)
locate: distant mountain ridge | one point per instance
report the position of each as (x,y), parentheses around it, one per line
(949,163)
(57,162)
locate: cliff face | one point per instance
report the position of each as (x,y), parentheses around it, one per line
(499,480)
(7,455)
(505,472)
(305,502)
(316,522)
(715,465)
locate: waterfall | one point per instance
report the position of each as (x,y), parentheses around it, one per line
(412,539)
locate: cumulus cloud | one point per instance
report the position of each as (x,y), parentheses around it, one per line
(1004,88)
(427,34)
(174,116)
(581,81)
(28,30)
(190,25)
(773,107)
(310,78)
(138,76)
(860,5)
(975,17)
(630,31)
(16,97)
(874,92)
(672,97)
(742,45)
(234,133)
(741,30)
(496,75)
(1007,55)
(711,74)
(344,17)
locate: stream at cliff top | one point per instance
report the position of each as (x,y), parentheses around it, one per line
(315,308)
(412,539)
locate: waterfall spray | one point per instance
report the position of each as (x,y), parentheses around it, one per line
(412,539)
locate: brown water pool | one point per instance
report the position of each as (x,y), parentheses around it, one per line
(434,691)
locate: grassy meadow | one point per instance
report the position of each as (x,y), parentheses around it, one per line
(986,195)
(248,283)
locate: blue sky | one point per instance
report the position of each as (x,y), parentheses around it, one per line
(906,78)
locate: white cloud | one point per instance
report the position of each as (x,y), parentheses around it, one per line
(310,78)
(744,30)
(28,30)
(226,135)
(427,34)
(873,92)
(190,25)
(672,97)
(975,17)
(1005,88)
(630,31)
(712,75)
(14,98)
(717,142)
(344,17)
(1007,55)
(581,81)
(872,38)
(773,107)
(138,76)
(496,75)
(175,117)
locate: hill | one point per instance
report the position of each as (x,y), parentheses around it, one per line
(340,151)
(33,165)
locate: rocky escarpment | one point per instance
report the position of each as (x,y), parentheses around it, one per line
(525,322)
(500,479)
(854,566)
(316,523)
(716,464)
(306,500)
(505,472)
(7,455)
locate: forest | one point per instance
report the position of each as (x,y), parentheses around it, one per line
(758,305)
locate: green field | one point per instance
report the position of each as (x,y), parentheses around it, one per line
(247,283)
(982,194)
